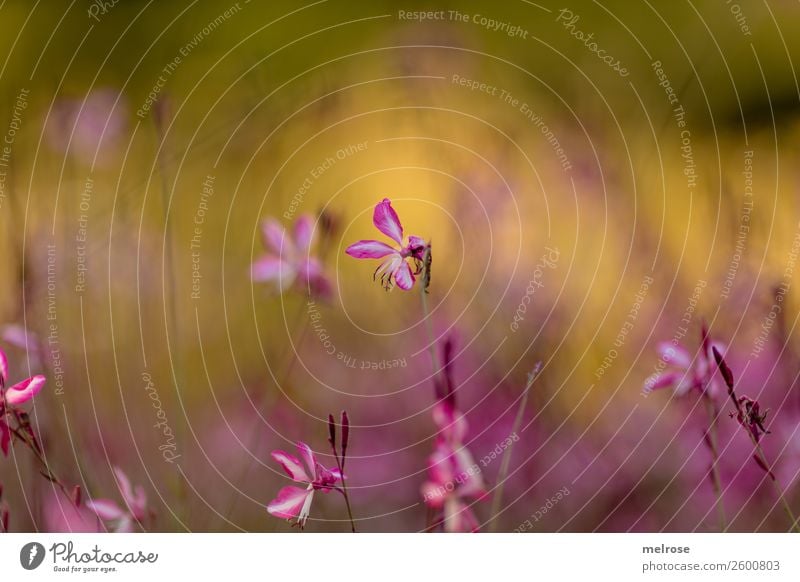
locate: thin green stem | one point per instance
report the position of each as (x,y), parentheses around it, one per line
(778,489)
(426,315)
(506,462)
(178,370)
(712,445)
(281,379)
(343,490)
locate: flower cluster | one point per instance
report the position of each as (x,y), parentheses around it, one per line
(453,481)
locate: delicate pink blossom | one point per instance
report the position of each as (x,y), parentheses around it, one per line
(454,480)
(683,375)
(288,260)
(454,477)
(89,127)
(122,518)
(295,502)
(23,391)
(12,397)
(26,340)
(395,267)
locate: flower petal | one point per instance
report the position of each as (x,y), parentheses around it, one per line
(459,518)
(124,485)
(303,233)
(416,246)
(452,423)
(385,220)
(404,277)
(664,380)
(18,336)
(675,355)
(24,391)
(369,249)
(433,494)
(105,509)
(314,280)
(288,502)
(125,525)
(273,269)
(440,467)
(274,236)
(292,466)
(309,458)
(3,367)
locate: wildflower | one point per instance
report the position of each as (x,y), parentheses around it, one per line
(122,518)
(89,128)
(23,391)
(394,268)
(683,375)
(454,476)
(748,413)
(295,502)
(288,260)
(12,397)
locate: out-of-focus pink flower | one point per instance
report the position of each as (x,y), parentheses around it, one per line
(292,501)
(394,267)
(288,260)
(683,375)
(63,517)
(454,476)
(88,127)
(122,519)
(18,336)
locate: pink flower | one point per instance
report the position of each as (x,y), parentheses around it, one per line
(23,391)
(288,260)
(292,501)
(12,397)
(454,478)
(122,519)
(18,336)
(91,127)
(683,375)
(394,267)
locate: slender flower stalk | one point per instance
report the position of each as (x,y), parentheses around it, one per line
(453,479)
(750,418)
(288,366)
(686,376)
(345,423)
(423,294)
(711,442)
(505,463)
(4,512)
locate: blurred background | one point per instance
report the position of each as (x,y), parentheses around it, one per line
(590,186)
